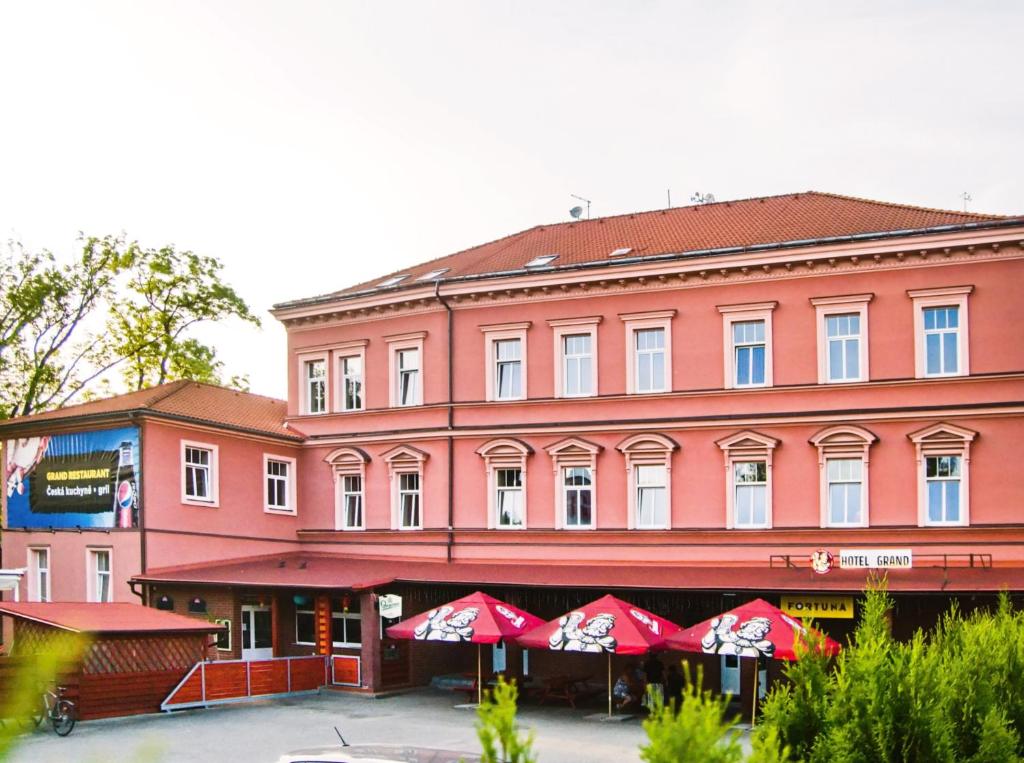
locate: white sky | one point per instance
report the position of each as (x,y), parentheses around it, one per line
(312,145)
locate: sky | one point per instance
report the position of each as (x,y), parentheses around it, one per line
(313,145)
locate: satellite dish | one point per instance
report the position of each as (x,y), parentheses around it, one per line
(709,198)
(576,213)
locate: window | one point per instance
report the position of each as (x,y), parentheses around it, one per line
(392,281)
(944,459)
(305,626)
(349,467)
(509,497)
(508,370)
(842,338)
(505,460)
(650,360)
(651,497)
(843,463)
(346,624)
(433,275)
(315,377)
(575,356)
(406,351)
(621,251)
(352,501)
(748,345)
(542,261)
(351,372)
(98,560)
(748,479)
(408,376)
(575,465)
(748,342)
(409,501)
(224,635)
(279,493)
(649,465)
(942,478)
(199,475)
(405,465)
(940,325)
(649,351)
(845,491)
(39,574)
(578,487)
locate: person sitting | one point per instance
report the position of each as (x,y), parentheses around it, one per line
(625,692)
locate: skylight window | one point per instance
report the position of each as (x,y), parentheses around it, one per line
(433,274)
(539,262)
(392,281)
(621,251)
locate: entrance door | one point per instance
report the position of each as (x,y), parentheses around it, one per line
(257,643)
(730,674)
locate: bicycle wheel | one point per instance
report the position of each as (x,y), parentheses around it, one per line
(62,717)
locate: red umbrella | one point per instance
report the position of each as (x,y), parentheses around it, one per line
(762,631)
(475,619)
(608,625)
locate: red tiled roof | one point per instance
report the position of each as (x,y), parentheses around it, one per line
(766,220)
(110,617)
(334,571)
(194,401)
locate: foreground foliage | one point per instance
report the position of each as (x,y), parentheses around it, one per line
(497,730)
(954,694)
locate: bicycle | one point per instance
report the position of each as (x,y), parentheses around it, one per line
(61,711)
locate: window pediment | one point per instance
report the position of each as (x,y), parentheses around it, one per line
(942,434)
(570,446)
(647,442)
(843,435)
(347,457)
(405,458)
(505,446)
(747,440)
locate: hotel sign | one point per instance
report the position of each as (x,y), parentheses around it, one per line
(876,559)
(837,607)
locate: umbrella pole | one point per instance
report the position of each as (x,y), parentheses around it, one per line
(609,684)
(757,672)
(479,678)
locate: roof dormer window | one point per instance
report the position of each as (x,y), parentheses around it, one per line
(621,251)
(543,261)
(392,281)
(433,275)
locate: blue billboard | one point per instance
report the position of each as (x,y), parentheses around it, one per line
(82,479)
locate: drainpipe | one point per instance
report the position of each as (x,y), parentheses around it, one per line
(451,423)
(139,481)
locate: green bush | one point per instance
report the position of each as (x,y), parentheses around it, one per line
(497,730)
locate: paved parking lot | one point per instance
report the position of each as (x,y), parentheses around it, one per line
(261,731)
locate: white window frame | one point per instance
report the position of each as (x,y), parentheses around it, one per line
(397,343)
(943,440)
(499,332)
(752,311)
(347,462)
(92,572)
(862,508)
(566,327)
(634,322)
(405,459)
(567,453)
(304,611)
(34,592)
(844,441)
(735,486)
(229,629)
(214,477)
(346,616)
(564,491)
(290,485)
(638,487)
(850,304)
(743,447)
(504,453)
(647,449)
(304,398)
(349,350)
(949,296)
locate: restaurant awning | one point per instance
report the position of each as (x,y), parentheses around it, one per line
(318,570)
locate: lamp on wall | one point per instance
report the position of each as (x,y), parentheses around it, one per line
(197,605)
(165,602)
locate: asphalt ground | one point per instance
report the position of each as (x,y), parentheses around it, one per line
(261,731)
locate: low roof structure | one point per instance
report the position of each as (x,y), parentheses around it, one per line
(106,617)
(334,571)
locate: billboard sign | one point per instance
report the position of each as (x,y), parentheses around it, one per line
(82,479)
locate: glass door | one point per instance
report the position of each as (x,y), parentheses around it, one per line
(257,640)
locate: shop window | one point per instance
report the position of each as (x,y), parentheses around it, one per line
(346,622)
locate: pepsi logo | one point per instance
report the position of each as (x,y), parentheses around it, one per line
(125,494)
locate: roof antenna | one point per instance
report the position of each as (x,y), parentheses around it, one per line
(966,197)
(669,192)
(577,216)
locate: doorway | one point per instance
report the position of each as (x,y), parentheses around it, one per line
(257,639)
(731,675)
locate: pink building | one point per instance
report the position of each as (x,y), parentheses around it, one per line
(683,406)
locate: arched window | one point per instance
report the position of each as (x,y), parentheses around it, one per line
(505,459)
(943,469)
(348,467)
(748,479)
(649,470)
(843,468)
(574,461)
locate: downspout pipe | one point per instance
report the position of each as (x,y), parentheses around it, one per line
(451,421)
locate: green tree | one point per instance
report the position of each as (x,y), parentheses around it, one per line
(497,730)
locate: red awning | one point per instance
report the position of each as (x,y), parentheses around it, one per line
(335,571)
(109,617)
